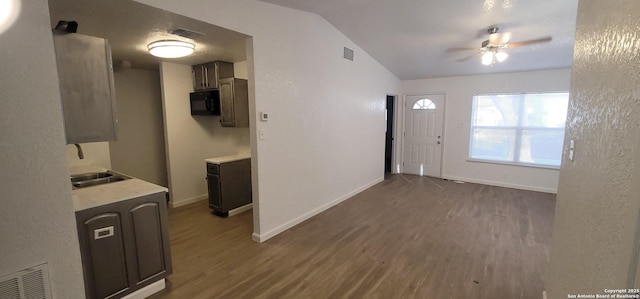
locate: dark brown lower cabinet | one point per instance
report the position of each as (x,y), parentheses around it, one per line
(229,185)
(124,245)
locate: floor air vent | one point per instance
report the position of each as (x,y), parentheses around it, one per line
(32,283)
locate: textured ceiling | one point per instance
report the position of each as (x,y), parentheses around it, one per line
(410,37)
(131,26)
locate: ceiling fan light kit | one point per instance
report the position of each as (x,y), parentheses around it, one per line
(488,58)
(492,50)
(171,48)
(492,56)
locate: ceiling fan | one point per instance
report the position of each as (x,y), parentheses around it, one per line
(492,50)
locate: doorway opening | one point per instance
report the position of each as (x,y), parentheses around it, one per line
(388,143)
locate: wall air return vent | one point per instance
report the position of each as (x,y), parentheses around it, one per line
(348,54)
(32,283)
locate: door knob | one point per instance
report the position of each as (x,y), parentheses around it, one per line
(438,142)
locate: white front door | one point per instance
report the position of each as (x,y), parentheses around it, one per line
(424,116)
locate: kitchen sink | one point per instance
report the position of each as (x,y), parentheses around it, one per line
(90,176)
(96,178)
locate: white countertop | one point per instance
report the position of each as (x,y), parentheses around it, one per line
(230,158)
(90,197)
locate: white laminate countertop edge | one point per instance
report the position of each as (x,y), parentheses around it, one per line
(229,158)
(91,197)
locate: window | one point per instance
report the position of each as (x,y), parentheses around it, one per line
(424,104)
(524,129)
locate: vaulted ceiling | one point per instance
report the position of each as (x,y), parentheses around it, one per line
(408,37)
(411,37)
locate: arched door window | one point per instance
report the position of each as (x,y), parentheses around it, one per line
(424,104)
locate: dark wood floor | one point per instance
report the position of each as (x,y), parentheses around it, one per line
(406,237)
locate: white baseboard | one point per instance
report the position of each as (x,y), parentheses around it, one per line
(239,210)
(256,238)
(184,202)
(147,291)
(544,294)
(501,184)
(289,224)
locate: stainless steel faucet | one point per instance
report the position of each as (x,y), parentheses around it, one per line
(80,153)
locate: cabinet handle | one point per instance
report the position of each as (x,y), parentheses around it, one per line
(217,70)
(193,75)
(203,80)
(206,76)
(104,232)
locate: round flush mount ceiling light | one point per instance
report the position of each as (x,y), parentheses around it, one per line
(171,48)
(9,11)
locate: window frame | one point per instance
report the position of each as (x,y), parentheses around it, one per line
(518,128)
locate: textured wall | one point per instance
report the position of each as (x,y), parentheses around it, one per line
(37,221)
(597,207)
(139,150)
(459,94)
(325,136)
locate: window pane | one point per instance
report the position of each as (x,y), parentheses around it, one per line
(542,146)
(545,110)
(496,110)
(423,104)
(493,144)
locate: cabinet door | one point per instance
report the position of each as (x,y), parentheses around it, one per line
(236,183)
(224,70)
(86,87)
(149,244)
(215,192)
(210,75)
(103,257)
(197,72)
(227,109)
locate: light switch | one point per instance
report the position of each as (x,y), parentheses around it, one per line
(261,134)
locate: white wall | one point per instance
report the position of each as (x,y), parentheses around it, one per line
(599,193)
(191,139)
(325,138)
(240,70)
(95,153)
(37,221)
(459,93)
(139,150)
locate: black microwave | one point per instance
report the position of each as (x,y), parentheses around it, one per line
(205,102)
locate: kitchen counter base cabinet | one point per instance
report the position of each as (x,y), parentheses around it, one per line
(124,245)
(229,185)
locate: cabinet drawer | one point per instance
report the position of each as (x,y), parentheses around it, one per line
(213,168)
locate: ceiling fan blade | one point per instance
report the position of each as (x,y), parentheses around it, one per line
(460,49)
(530,42)
(467,57)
